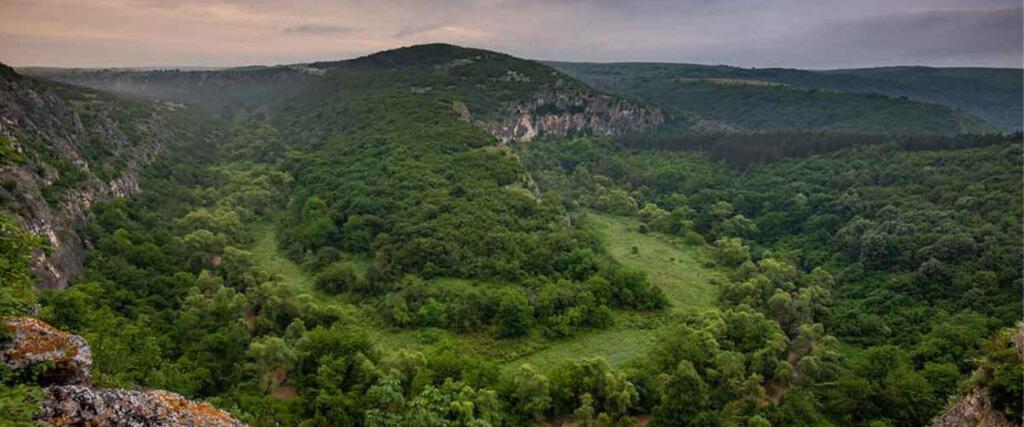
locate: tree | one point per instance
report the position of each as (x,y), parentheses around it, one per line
(585,413)
(730,252)
(656,218)
(515,315)
(272,357)
(683,400)
(528,393)
(16,291)
(336,278)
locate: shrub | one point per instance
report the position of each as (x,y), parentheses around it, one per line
(336,278)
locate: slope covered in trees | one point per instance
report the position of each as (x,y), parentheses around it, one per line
(429,258)
(721,98)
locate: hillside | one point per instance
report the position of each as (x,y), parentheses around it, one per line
(907,100)
(250,88)
(439,235)
(64,148)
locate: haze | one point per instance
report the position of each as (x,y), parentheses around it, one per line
(790,33)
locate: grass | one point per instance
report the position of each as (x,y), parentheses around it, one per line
(269,256)
(670,264)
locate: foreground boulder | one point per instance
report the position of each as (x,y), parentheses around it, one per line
(59,361)
(55,356)
(77,405)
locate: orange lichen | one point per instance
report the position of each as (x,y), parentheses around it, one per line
(195,411)
(84,406)
(35,337)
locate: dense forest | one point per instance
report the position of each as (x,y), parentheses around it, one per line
(360,252)
(773,98)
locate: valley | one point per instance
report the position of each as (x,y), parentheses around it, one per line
(437,235)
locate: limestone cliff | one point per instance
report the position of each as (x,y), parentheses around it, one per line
(569,113)
(68,148)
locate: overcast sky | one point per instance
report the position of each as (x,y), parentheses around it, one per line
(761,33)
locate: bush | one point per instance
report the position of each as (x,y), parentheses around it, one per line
(336,278)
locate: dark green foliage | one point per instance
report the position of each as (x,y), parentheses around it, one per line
(750,95)
(1000,373)
(903,229)
(8,73)
(336,278)
(908,252)
(744,149)
(514,316)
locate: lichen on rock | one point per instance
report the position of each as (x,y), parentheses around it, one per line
(77,405)
(59,357)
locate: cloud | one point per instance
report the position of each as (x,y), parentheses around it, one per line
(318,29)
(937,37)
(795,33)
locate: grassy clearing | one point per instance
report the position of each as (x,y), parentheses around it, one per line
(670,264)
(617,346)
(268,256)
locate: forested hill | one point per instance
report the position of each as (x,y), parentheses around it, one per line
(846,100)
(513,98)
(437,235)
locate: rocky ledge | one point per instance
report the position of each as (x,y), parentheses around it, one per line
(57,357)
(60,362)
(77,405)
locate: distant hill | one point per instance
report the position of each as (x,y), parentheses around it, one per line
(247,88)
(886,100)
(512,98)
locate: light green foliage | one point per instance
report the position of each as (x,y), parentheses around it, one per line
(17,292)
(18,405)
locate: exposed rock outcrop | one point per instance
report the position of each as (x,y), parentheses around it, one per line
(77,147)
(61,361)
(77,406)
(568,113)
(975,410)
(57,356)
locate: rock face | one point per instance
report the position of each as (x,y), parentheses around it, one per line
(75,147)
(59,357)
(973,410)
(564,114)
(77,405)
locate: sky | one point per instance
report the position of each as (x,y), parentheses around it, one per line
(751,33)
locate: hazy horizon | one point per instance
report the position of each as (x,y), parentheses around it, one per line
(746,33)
